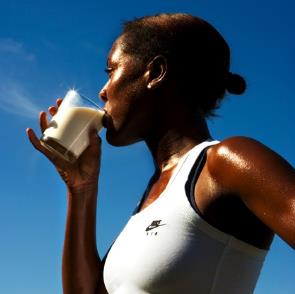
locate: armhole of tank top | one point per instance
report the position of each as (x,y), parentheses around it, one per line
(192,179)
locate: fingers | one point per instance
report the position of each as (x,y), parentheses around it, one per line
(43,117)
(37,145)
(43,121)
(53,109)
(58,102)
(35,141)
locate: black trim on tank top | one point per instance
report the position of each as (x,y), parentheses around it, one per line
(193,177)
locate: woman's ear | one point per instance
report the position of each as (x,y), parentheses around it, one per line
(156,72)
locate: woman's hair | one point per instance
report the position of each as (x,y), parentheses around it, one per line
(196,53)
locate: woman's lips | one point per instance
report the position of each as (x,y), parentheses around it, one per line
(106,120)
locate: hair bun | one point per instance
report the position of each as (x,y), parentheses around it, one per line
(235,84)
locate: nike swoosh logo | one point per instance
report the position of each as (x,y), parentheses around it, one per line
(151,227)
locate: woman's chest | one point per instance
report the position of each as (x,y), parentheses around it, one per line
(161,252)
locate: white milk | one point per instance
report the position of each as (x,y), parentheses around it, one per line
(70,129)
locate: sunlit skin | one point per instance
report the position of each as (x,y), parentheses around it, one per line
(244,189)
(121,95)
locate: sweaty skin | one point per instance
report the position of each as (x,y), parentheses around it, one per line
(243,201)
(244,189)
(240,201)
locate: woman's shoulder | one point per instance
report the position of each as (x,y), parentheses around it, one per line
(260,177)
(238,142)
(239,154)
(237,145)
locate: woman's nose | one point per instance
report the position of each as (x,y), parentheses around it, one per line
(103,94)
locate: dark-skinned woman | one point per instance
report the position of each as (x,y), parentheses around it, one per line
(211,209)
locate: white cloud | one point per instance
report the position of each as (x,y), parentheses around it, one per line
(14,99)
(10,46)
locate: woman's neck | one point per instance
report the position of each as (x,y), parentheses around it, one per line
(171,140)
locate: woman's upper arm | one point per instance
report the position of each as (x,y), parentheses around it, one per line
(263,180)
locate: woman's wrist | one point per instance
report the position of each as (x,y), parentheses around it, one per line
(83,188)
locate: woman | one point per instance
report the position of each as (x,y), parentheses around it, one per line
(211,208)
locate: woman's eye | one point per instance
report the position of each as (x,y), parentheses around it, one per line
(108,70)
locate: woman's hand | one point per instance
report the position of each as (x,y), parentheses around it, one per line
(81,266)
(84,171)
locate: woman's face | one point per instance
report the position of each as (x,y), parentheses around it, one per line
(125,97)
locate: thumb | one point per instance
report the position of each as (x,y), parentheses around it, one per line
(94,139)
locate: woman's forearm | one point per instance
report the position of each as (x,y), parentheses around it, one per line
(81,265)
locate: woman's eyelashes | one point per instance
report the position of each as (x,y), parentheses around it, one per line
(109,71)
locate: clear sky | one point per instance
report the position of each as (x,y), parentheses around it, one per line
(49,46)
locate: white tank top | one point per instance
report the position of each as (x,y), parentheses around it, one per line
(168,248)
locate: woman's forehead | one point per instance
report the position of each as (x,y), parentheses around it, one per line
(115,54)
(116,50)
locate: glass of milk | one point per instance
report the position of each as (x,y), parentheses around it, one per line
(67,134)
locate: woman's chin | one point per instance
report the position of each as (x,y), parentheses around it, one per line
(119,139)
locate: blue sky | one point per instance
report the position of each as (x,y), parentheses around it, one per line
(47,47)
